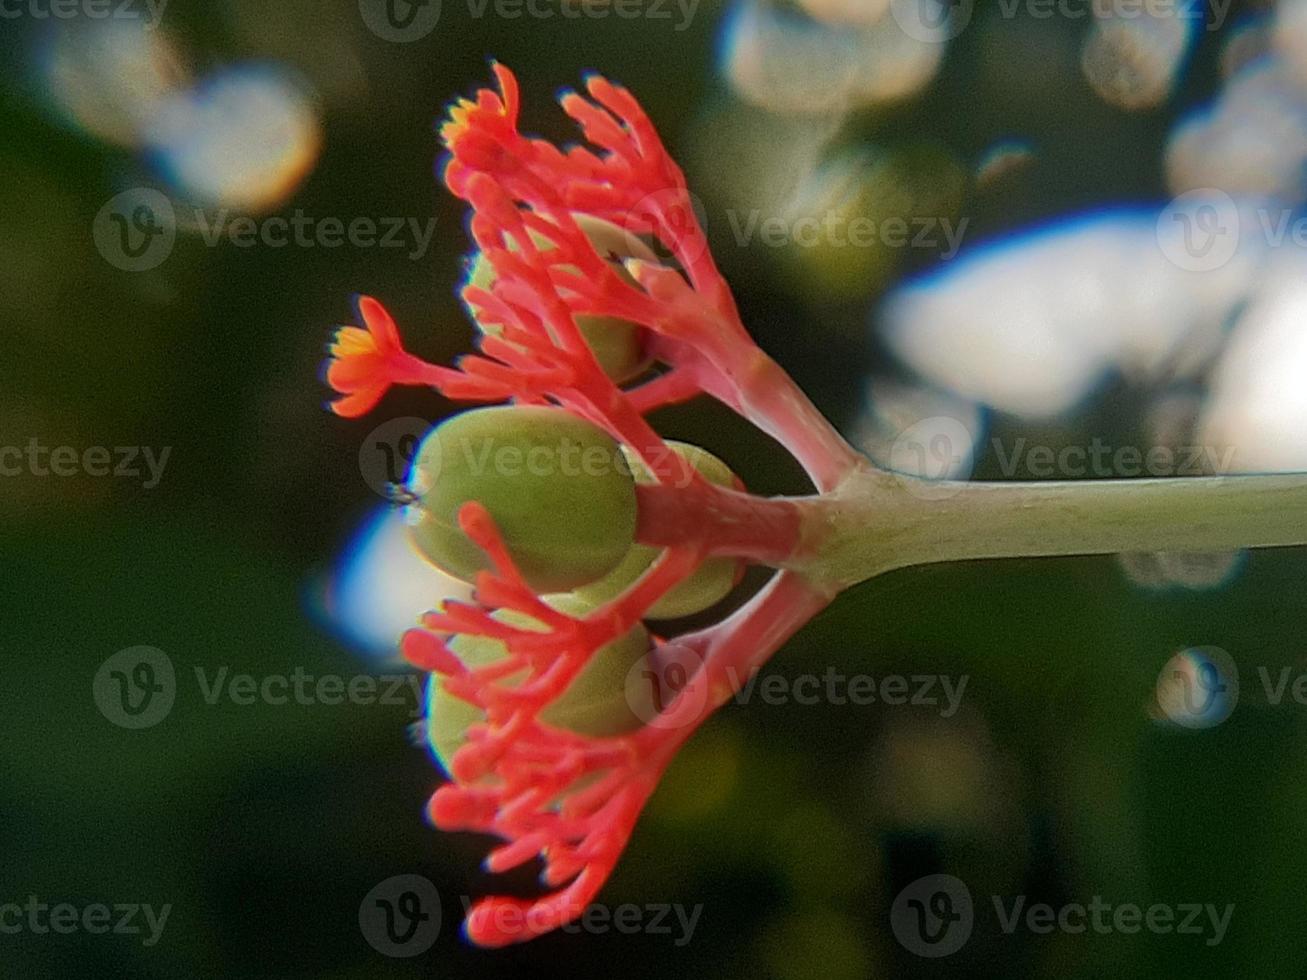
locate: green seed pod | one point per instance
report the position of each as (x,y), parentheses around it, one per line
(603,700)
(557,486)
(713,579)
(617,344)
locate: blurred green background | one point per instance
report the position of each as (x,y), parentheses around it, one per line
(791,828)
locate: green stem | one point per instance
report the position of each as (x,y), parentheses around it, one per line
(876,521)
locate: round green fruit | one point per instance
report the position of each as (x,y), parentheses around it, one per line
(618,344)
(604,700)
(711,581)
(557,486)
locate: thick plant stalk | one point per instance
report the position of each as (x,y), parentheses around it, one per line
(876,521)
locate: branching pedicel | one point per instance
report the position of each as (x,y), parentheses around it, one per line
(592,267)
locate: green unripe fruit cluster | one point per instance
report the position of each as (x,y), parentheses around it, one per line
(618,344)
(604,700)
(711,581)
(558,487)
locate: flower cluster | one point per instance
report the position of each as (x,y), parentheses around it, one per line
(598,302)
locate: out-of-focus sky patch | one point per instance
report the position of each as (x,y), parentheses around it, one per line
(846,13)
(919,430)
(380,587)
(1289,39)
(1031,324)
(1258,403)
(1196,571)
(784,61)
(243,138)
(107,78)
(1197,688)
(1133,61)
(1251,140)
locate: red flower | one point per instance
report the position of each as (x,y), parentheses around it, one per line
(518,777)
(365,362)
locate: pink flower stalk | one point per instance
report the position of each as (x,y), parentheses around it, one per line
(573,800)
